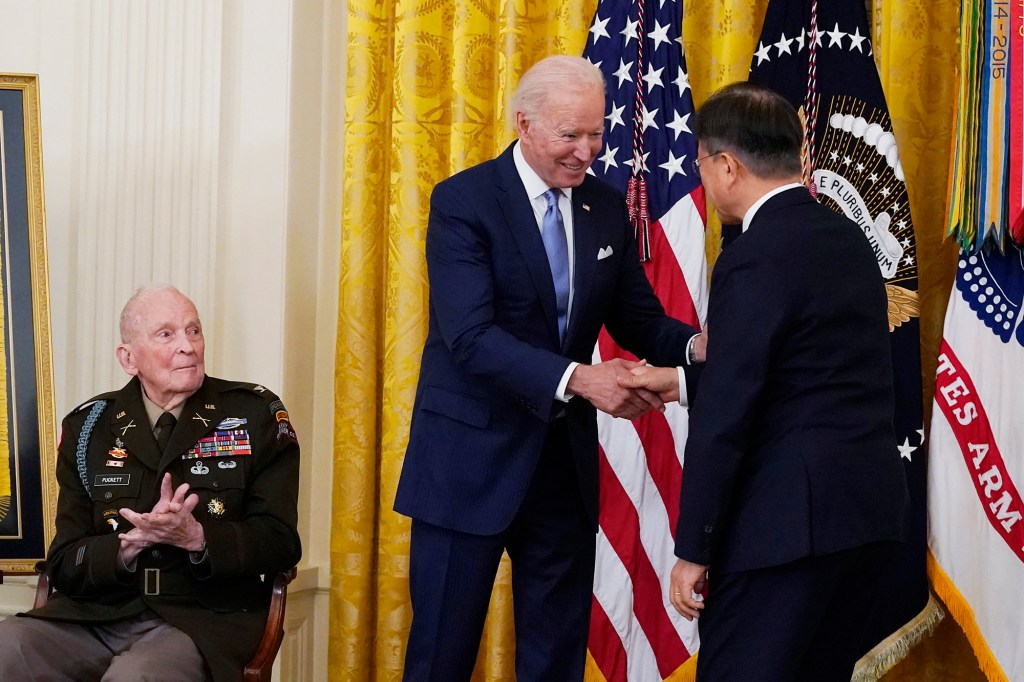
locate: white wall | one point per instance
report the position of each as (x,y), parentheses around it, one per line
(198,142)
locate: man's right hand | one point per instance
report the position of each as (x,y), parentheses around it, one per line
(170,523)
(601,385)
(664,381)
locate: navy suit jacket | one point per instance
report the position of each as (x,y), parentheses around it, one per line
(791,450)
(492,359)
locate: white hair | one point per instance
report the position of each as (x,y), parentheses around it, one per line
(131,314)
(552,74)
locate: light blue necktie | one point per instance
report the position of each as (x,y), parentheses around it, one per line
(557,247)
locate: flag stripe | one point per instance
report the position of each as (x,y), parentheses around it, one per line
(613,590)
(665,270)
(611,656)
(623,531)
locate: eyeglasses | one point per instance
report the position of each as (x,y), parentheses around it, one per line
(695,164)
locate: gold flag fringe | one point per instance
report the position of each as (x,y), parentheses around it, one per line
(687,672)
(963,614)
(894,648)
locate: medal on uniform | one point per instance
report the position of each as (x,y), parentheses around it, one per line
(215,507)
(200,469)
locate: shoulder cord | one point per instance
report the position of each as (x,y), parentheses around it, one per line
(83,441)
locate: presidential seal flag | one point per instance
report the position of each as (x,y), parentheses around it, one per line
(976,470)
(819,56)
(635,634)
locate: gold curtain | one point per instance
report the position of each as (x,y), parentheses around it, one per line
(428,87)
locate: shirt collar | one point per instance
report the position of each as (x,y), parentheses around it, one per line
(749,215)
(153,411)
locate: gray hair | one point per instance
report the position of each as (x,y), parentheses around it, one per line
(131,316)
(756,124)
(550,75)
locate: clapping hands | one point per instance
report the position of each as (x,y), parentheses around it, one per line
(170,523)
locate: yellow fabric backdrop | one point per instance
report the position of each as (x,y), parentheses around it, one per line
(428,87)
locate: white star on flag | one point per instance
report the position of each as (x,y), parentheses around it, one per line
(856,39)
(598,30)
(762,53)
(783,45)
(835,36)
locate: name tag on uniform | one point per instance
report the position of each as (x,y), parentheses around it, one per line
(112,479)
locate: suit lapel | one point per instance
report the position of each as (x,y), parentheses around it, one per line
(200,415)
(522,223)
(584,239)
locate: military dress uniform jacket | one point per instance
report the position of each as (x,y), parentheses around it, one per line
(235,447)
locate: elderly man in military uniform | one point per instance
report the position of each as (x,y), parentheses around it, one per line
(177,493)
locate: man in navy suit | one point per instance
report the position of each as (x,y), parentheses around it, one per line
(502,450)
(793,492)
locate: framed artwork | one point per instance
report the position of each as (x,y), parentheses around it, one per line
(28,487)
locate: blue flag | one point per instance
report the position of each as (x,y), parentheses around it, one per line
(819,56)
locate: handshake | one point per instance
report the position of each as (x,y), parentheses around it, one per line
(628,389)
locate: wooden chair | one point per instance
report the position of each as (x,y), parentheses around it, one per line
(262,664)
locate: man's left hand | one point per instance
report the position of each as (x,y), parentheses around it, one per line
(686,588)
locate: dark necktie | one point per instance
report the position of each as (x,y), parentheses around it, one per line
(164,427)
(557,247)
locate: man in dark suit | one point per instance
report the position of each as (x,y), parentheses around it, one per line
(527,256)
(793,492)
(177,493)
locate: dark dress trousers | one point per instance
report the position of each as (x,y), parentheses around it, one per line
(488,435)
(791,467)
(248,491)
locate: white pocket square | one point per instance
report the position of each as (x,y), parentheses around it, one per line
(604,253)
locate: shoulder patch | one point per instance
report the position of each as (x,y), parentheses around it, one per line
(285,431)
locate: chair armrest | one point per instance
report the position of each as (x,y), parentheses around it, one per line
(43,588)
(259,668)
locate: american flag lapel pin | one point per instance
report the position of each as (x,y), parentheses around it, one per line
(586,207)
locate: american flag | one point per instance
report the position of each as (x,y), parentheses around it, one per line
(635,634)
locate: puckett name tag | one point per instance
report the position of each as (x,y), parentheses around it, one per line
(227,443)
(112,479)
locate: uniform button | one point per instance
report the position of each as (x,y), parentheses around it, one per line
(107,496)
(156,554)
(708,528)
(216,484)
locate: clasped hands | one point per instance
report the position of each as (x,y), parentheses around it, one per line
(628,389)
(169,523)
(624,388)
